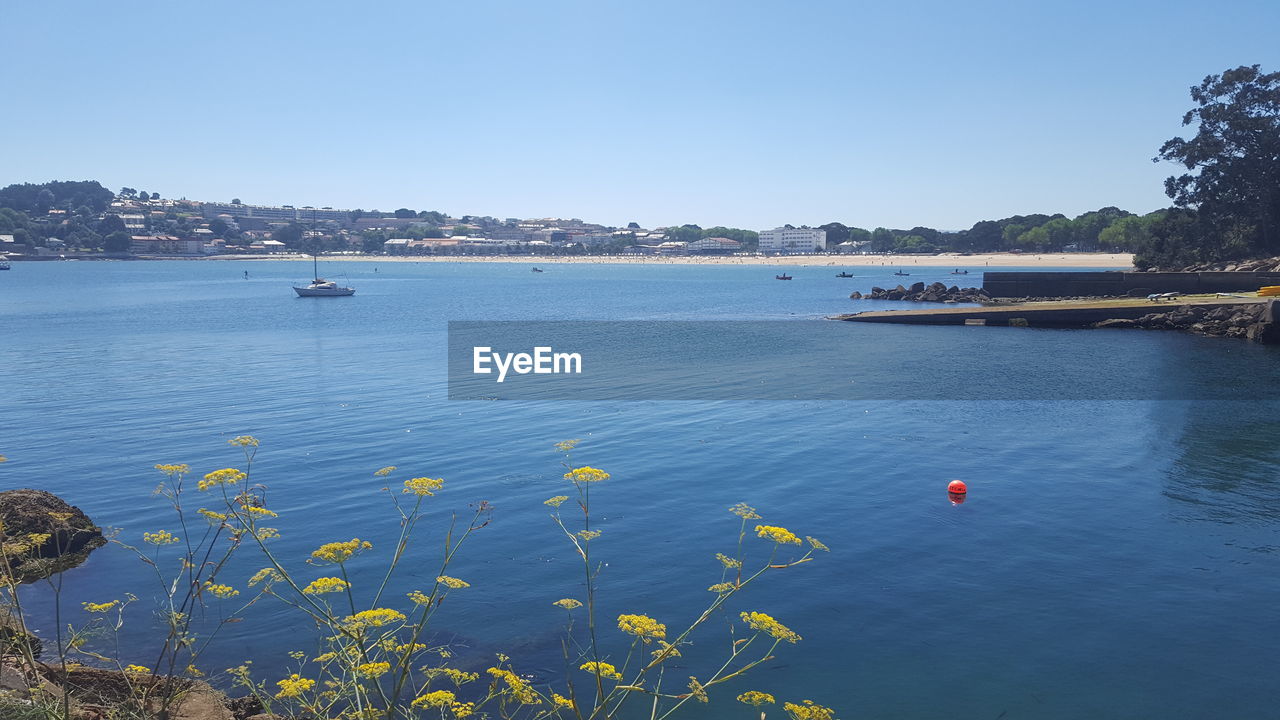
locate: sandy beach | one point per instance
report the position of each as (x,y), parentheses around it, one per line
(995,260)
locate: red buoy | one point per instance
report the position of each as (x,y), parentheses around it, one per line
(957,487)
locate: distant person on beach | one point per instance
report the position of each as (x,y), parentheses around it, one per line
(246,274)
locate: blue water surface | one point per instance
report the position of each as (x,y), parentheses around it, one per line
(1115,558)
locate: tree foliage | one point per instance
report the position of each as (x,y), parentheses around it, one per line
(1231,190)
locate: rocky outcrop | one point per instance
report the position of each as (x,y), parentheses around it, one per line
(66,535)
(1251,321)
(15,640)
(919,292)
(1256,265)
(102,694)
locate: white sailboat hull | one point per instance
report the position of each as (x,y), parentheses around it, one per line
(324,292)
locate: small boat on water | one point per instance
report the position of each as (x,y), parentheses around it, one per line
(320,287)
(783,276)
(844,274)
(901,274)
(537,269)
(958,271)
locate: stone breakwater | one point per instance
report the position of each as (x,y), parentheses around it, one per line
(919,292)
(1253,321)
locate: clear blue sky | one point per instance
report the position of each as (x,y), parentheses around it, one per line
(749,114)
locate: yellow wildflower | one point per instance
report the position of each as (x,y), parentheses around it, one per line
(319,586)
(373,669)
(243,441)
(723,587)
(385,471)
(100,607)
(586,474)
(339,552)
(519,687)
(293,686)
(697,690)
(642,626)
(220,591)
(779,535)
(568,603)
(375,618)
(459,677)
(462,709)
(324,657)
(760,622)
(267,575)
(452,582)
(727,561)
(225,476)
(422,486)
(160,537)
(194,671)
(745,511)
(137,670)
(561,701)
(420,598)
(567,445)
(588,534)
(60,516)
(38,539)
(816,544)
(809,711)
(555,501)
(438,698)
(266,533)
(174,469)
(756,698)
(256,511)
(603,669)
(665,650)
(211,516)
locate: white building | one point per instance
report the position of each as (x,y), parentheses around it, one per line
(792,240)
(714,245)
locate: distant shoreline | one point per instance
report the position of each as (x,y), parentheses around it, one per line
(1090,260)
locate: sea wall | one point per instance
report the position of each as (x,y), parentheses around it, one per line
(1117,284)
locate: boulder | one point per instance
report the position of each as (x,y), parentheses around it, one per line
(71,534)
(16,640)
(1116,323)
(917,287)
(855,295)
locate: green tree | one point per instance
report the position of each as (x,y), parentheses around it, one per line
(836,233)
(110,224)
(44,201)
(882,240)
(290,235)
(1127,234)
(116,242)
(404,213)
(1233,162)
(683,233)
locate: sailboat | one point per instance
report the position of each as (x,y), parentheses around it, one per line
(320,287)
